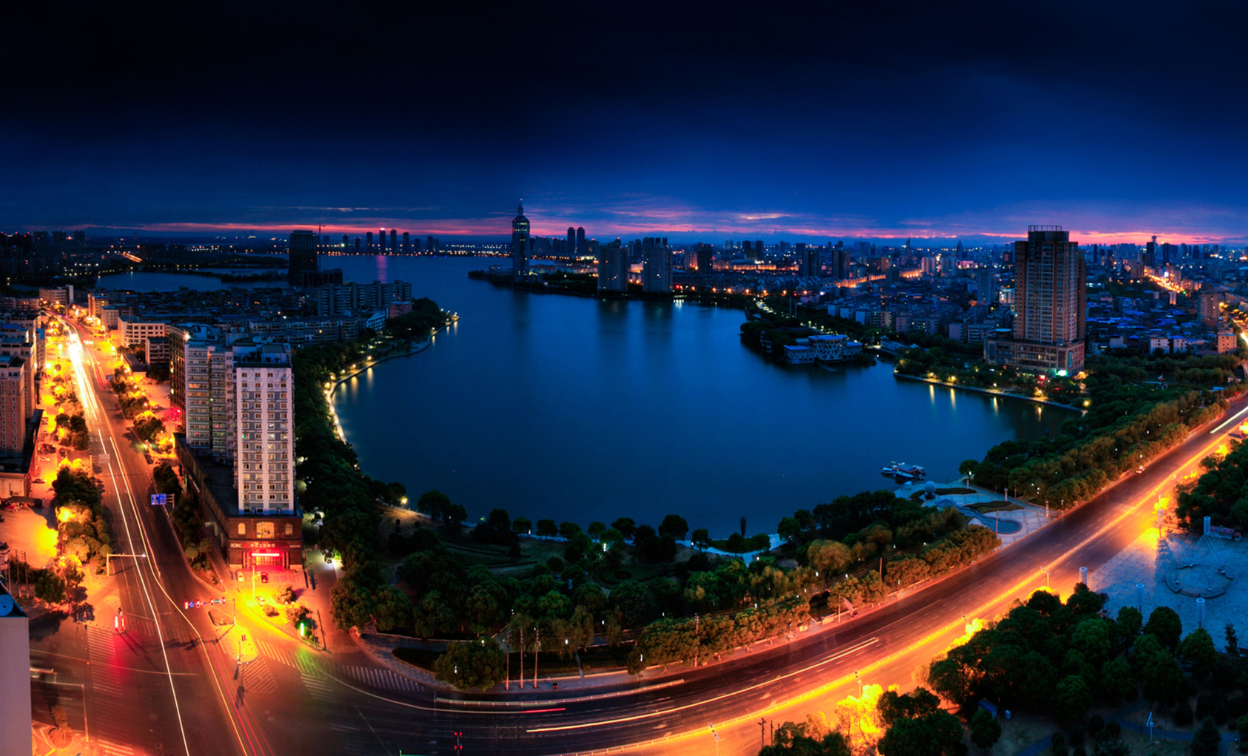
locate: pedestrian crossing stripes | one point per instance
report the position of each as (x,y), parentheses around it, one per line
(277,654)
(381,678)
(113,749)
(257,677)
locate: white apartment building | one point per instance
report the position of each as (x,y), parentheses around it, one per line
(264,471)
(131,333)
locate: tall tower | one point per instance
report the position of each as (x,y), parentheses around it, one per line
(1050,304)
(302,257)
(571,248)
(394,240)
(581,249)
(519,241)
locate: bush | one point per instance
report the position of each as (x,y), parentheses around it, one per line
(1183,716)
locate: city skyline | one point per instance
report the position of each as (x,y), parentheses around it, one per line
(875,123)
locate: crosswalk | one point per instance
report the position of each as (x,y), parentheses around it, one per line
(256,677)
(277,653)
(113,749)
(111,709)
(381,678)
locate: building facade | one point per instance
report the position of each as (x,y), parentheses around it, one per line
(612,267)
(519,242)
(656,266)
(1050,305)
(303,259)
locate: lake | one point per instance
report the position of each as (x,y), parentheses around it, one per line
(569,408)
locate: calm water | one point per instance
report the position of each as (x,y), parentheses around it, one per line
(576,409)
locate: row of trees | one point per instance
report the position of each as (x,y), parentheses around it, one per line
(1127,426)
(1221,493)
(71,430)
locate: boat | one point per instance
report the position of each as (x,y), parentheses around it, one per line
(902,471)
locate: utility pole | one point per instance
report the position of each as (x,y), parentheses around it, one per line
(522,658)
(537,647)
(507,684)
(762,738)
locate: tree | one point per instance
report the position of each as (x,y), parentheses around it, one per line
(701,539)
(625,525)
(675,525)
(351,602)
(1161,677)
(1073,699)
(985,729)
(1241,724)
(521,525)
(806,739)
(1197,650)
(918,703)
(433,503)
(391,608)
(472,665)
(1207,739)
(1131,621)
(454,515)
(1116,678)
(50,587)
(547,528)
(1164,623)
(1232,641)
(930,735)
(596,529)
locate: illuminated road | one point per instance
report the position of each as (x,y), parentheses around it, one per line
(301,702)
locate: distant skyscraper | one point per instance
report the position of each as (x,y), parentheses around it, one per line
(1050,304)
(519,241)
(407,243)
(572,251)
(346,241)
(368,242)
(808,260)
(357,244)
(394,240)
(302,257)
(704,255)
(985,286)
(581,249)
(656,266)
(1207,306)
(431,244)
(758,249)
(612,267)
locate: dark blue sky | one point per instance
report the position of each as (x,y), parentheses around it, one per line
(809,120)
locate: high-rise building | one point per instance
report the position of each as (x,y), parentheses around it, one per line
(13,404)
(431,244)
(571,249)
(303,258)
(368,242)
(394,240)
(519,242)
(265,428)
(15,715)
(612,267)
(656,266)
(705,256)
(808,260)
(407,243)
(1050,305)
(1207,305)
(581,249)
(985,285)
(346,242)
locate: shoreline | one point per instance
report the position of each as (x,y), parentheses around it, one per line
(990,392)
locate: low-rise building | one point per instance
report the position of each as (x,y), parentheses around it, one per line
(131,332)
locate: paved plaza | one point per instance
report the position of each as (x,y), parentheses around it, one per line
(1180,562)
(1015,524)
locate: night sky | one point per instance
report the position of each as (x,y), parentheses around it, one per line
(801,121)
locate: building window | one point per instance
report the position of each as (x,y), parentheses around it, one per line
(264,530)
(290,529)
(242,528)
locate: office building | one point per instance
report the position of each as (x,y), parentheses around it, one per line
(656,266)
(519,242)
(303,259)
(581,248)
(368,242)
(1050,305)
(808,261)
(571,249)
(704,254)
(394,240)
(612,267)
(1207,307)
(407,243)
(985,285)
(346,241)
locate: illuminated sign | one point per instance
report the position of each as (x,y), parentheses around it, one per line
(159,500)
